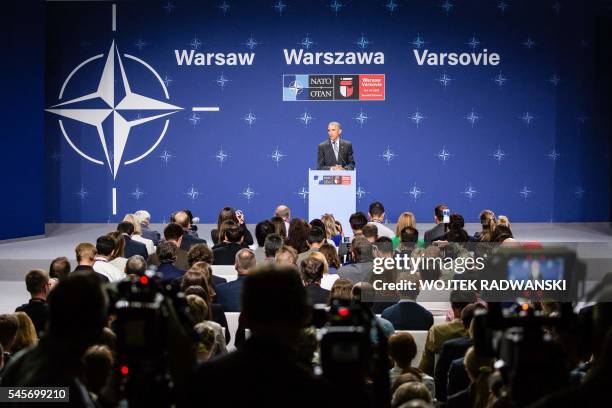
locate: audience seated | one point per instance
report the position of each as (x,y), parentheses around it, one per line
(441,333)
(454,349)
(284,213)
(407,314)
(37,284)
(488,222)
(272,244)
(144,218)
(342,289)
(298,235)
(137,235)
(280,227)
(132,247)
(311,271)
(8,330)
(328,279)
(315,239)
(262,230)
(361,268)
(199,312)
(203,253)
(286,256)
(26,333)
(77,314)
(331,255)
(402,351)
(224,253)
(105,248)
(405,219)
(275,310)
(166,253)
(118,258)
(174,233)
(98,364)
(183,219)
(59,268)
(86,257)
(370,232)
(410,391)
(229,214)
(437,232)
(331,230)
(228,294)
(478,369)
(364,294)
(376,213)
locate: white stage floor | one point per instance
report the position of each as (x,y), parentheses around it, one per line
(593,242)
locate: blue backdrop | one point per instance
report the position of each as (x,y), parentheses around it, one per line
(529,137)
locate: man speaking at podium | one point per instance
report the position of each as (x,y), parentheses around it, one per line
(334,153)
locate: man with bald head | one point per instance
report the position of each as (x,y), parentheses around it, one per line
(182,218)
(334,153)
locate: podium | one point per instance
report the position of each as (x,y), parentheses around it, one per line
(333,192)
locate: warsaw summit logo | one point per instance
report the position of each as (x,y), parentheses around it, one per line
(115,107)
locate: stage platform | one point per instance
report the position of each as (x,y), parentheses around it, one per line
(592,241)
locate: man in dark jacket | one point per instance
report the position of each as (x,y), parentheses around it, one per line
(37,283)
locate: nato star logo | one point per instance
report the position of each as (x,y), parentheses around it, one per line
(195,119)
(305,118)
(473,42)
(221,156)
(165,157)
(500,80)
(415,192)
(388,155)
(306,42)
(251,43)
(248,193)
(137,193)
(555,79)
(444,155)
(336,6)
(169,7)
(557,7)
(362,42)
(525,192)
(296,87)
(529,43)
(195,43)
(391,6)
(472,117)
(167,80)
(444,80)
(82,193)
(469,192)
(417,117)
(140,44)
(527,118)
(582,119)
(55,156)
(222,81)
(499,155)
(447,6)
(249,118)
(279,6)
(554,155)
(277,155)
(360,192)
(579,192)
(418,41)
(361,118)
(303,193)
(193,193)
(502,6)
(224,7)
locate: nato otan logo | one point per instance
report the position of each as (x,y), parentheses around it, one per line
(111,111)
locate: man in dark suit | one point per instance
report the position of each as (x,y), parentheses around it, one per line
(437,232)
(407,314)
(454,349)
(224,253)
(311,270)
(131,247)
(166,252)
(275,310)
(334,153)
(37,283)
(182,219)
(173,233)
(228,294)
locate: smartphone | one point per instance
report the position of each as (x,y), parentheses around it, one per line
(446,216)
